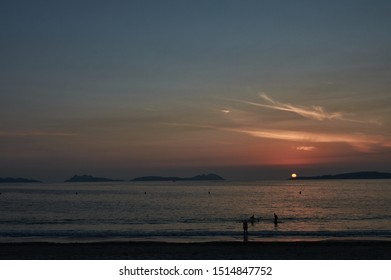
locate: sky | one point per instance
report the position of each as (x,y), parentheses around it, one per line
(245,89)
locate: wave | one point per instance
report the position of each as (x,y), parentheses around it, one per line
(165,221)
(189,234)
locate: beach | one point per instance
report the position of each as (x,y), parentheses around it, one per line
(300,250)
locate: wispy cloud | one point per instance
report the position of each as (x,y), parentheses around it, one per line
(359,141)
(34,134)
(365,143)
(313,112)
(306,148)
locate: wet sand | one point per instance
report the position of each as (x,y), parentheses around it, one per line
(314,250)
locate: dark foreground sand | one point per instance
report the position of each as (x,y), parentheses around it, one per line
(321,250)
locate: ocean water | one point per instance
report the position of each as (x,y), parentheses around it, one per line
(195,211)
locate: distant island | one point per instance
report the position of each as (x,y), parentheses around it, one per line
(88,178)
(18,180)
(353,175)
(202,177)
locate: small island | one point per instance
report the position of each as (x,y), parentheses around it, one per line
(88,178)
(202,177)
(353,175)
(18,180)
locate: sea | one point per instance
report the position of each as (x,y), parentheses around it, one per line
(197,211)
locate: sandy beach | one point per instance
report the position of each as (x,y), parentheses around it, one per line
(318,250)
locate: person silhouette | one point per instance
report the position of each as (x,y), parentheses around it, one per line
(275,219)
(245,227)
(252,220)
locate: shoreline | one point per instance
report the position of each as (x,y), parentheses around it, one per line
(216,250)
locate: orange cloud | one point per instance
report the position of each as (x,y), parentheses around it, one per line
(365,143)
(305,148)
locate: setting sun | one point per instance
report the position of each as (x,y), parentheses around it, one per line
(293,176)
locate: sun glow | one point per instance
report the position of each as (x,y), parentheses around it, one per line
(293,175)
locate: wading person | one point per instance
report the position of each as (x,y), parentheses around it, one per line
(245,227)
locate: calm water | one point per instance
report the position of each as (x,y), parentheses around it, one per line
(186,211)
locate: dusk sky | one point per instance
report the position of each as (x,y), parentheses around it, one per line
(244,89)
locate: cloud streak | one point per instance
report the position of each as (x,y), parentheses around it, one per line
(306,148)
(361,142)
(34,134)
(314,112)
